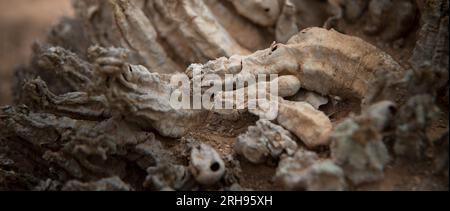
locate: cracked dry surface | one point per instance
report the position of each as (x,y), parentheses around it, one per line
(362,98)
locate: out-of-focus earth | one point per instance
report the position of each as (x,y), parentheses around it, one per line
(21,23)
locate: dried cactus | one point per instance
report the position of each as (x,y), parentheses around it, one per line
(263,141)
(107,184)
(206,165)
(93,108)
(357,143)
(304,171)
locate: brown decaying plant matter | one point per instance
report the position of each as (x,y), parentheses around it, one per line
(363,102)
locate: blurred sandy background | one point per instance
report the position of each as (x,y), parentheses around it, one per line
(21,23)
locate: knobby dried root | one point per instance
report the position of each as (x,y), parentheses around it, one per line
(351,63)
(93,109)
